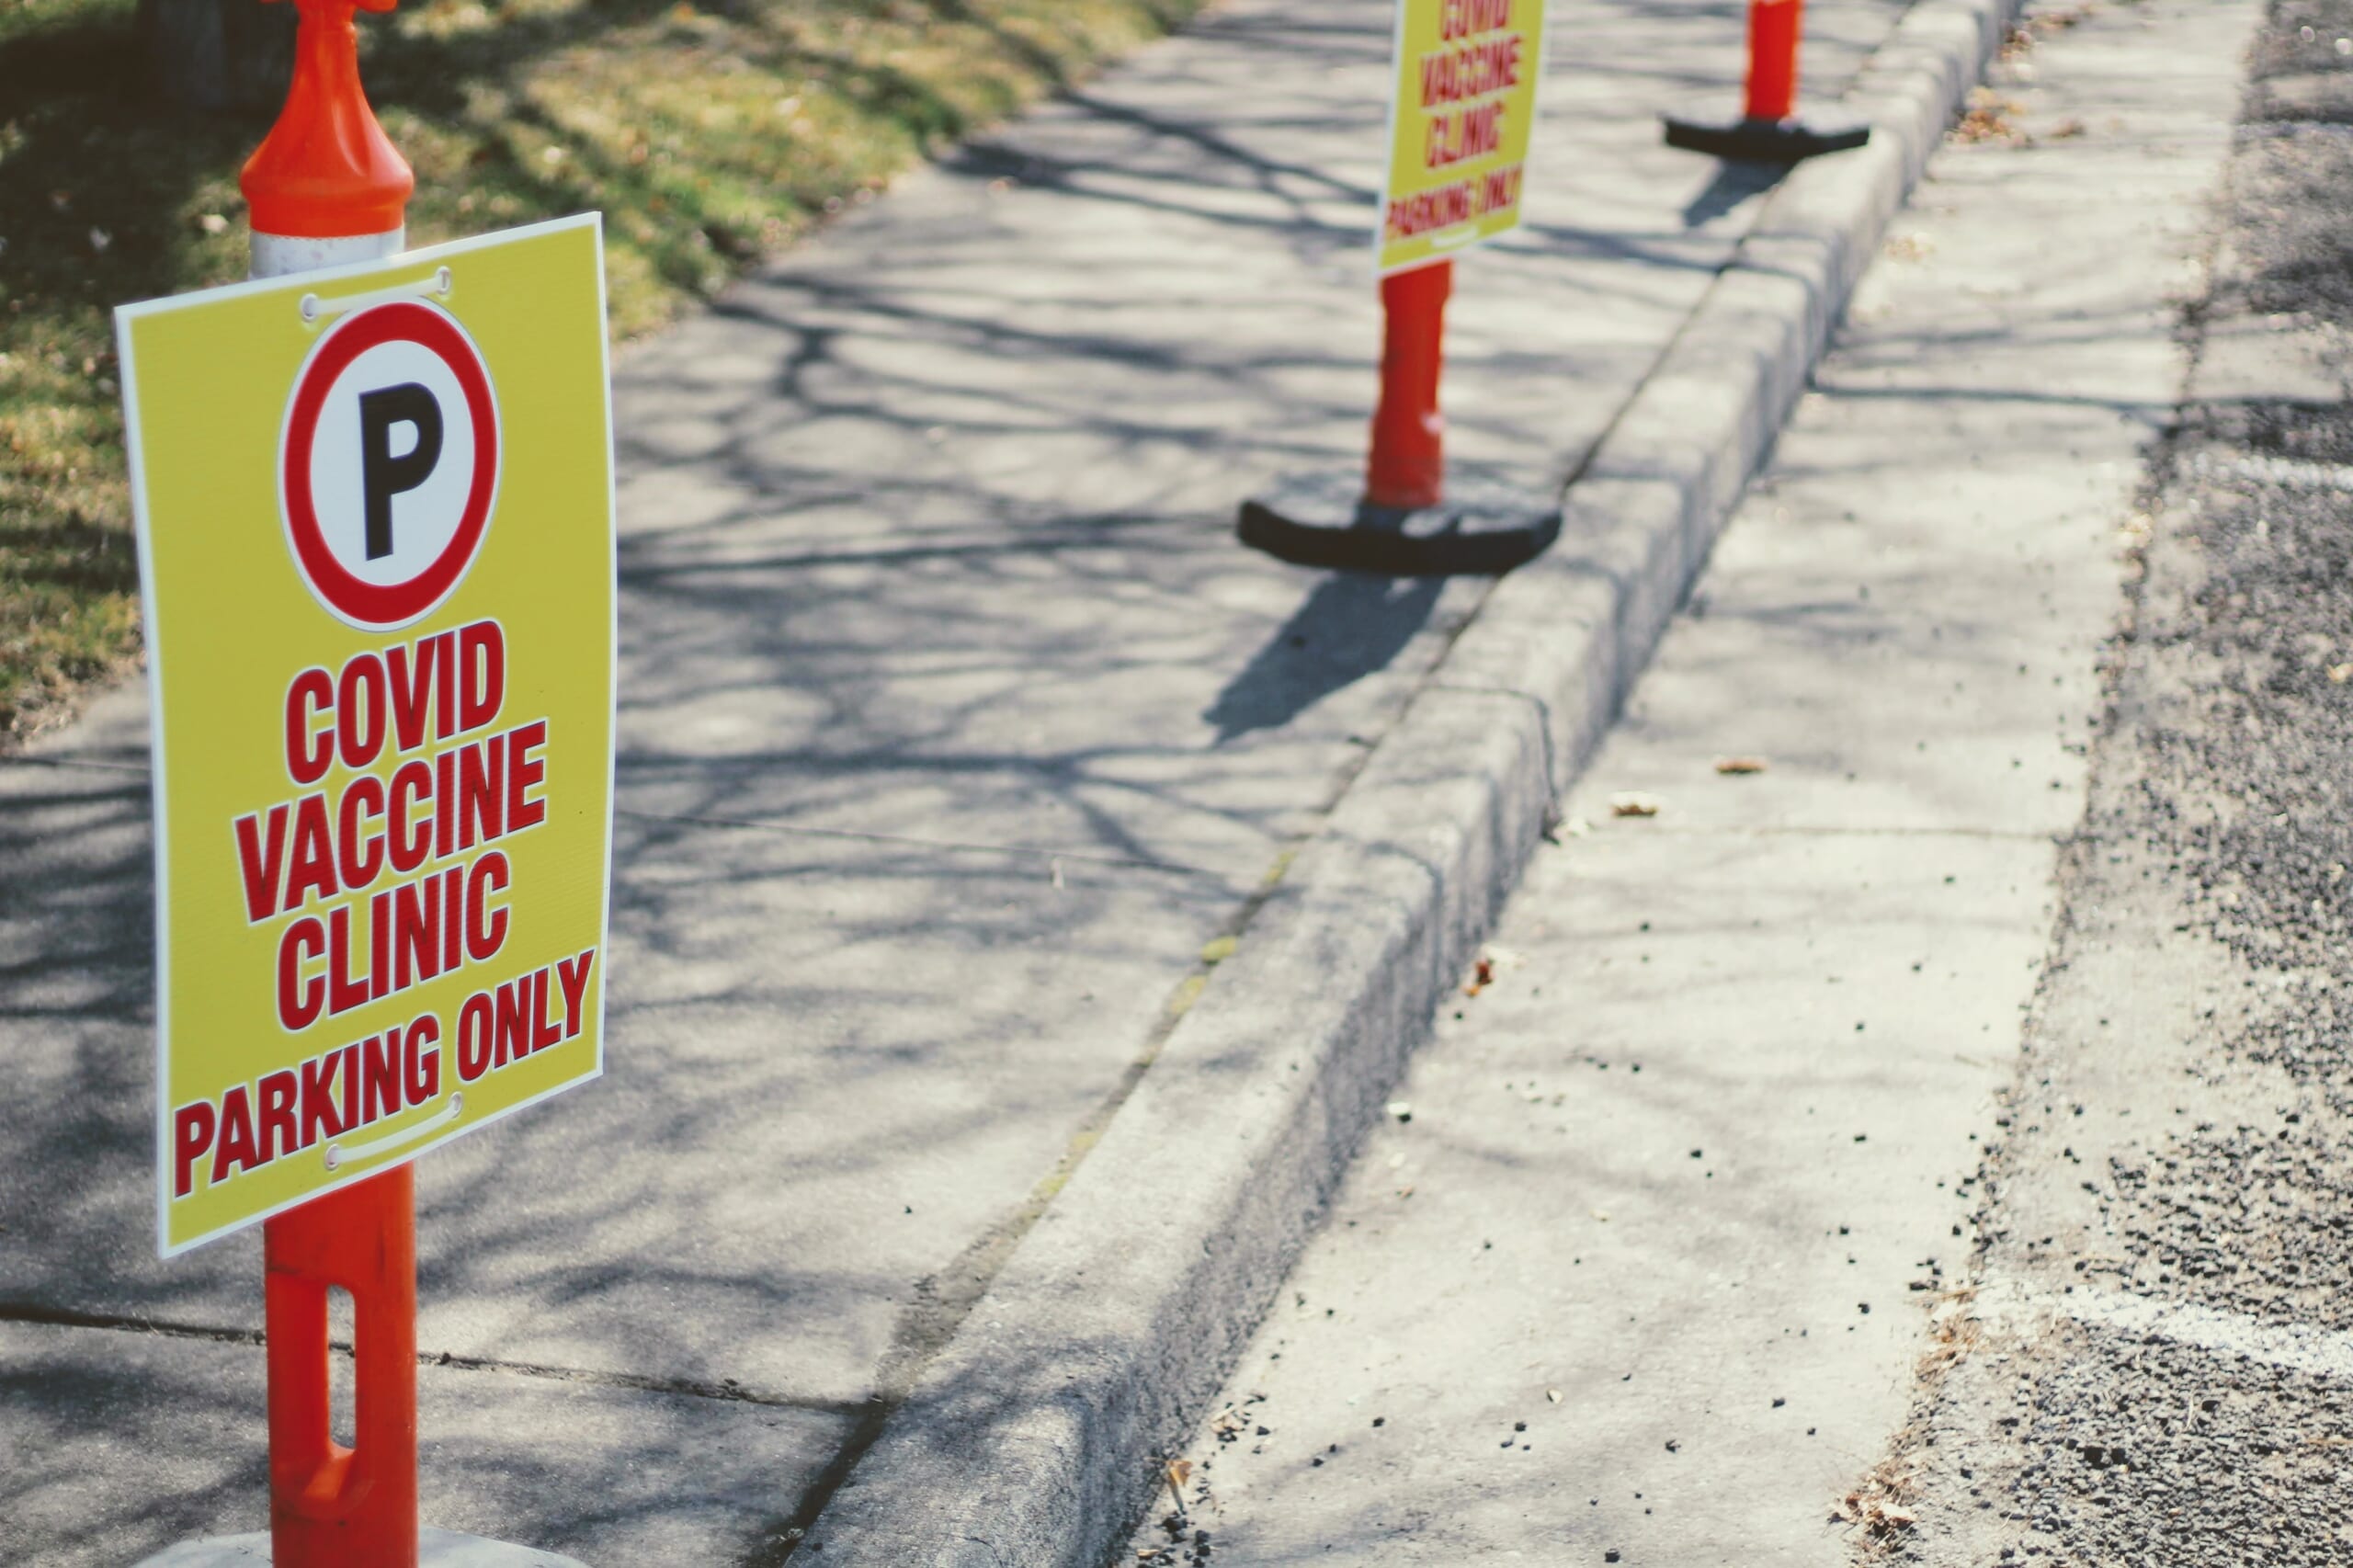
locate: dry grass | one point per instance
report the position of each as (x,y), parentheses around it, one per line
(1881,1505)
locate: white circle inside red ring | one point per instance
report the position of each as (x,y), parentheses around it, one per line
(438,527)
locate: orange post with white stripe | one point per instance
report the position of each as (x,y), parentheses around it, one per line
(325,188)
(326,185)
(1774,29)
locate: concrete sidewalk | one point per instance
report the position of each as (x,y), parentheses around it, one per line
(1640,1267)
(955,726)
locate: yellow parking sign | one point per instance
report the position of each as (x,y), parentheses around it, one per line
(1459,122)
(375,514)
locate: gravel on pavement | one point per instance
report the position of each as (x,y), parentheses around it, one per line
(2157,1346)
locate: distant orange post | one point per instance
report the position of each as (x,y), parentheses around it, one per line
(1407,469)
(1774,27)
(1768,128)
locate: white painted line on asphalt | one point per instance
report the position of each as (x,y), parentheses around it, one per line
(2298,1347)
(2276,129)
(2285,473)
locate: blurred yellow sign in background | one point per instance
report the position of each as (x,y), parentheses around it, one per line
(1459,125)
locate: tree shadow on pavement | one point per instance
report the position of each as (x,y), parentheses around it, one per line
(1734,183)
(1350,626)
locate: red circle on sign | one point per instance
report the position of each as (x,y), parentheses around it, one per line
(377,605)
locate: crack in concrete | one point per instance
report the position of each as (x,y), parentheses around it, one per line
(1076,856)
(123,1322)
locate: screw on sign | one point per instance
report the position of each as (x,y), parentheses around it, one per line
(375,519)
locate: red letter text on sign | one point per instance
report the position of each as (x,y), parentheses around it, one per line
(191,1136)
(309,750)
(299,995)
(261,856)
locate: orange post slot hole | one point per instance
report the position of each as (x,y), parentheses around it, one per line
(332,1507)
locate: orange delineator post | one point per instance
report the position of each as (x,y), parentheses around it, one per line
(1402,523)
(326,170)
(332,1507)
(325,176)
(1774,27)
(1768,127)
(326,185)
(1407,469)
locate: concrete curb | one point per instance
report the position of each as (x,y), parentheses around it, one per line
(1034,1437)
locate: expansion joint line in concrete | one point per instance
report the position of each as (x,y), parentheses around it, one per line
(120,1323)
(1018,851)
(79,764)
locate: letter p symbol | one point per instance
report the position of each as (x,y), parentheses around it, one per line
(384,475)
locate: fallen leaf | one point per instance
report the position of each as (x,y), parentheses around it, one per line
(1741,765)
(2340,674)
(1179,1472)
(1988,120)
(1633,803)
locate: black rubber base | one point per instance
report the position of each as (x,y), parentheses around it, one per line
(1765,140)
(1485,527)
